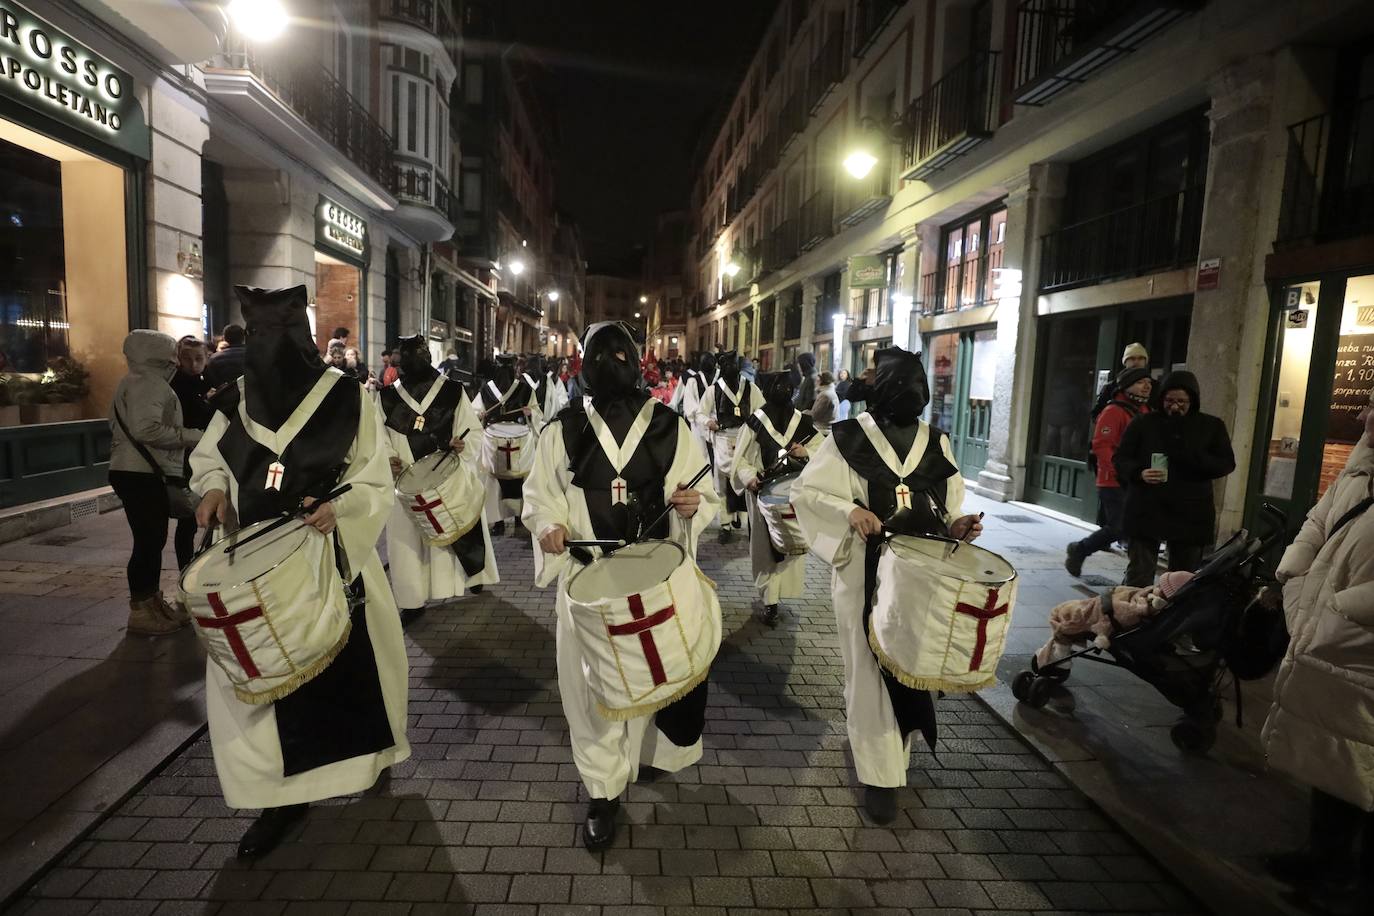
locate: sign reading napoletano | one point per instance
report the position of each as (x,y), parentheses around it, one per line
(340,228)
(45,69)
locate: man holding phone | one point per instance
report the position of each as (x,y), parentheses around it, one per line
(1167,461)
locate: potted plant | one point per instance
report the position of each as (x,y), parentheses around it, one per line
(56,396)
(9,410)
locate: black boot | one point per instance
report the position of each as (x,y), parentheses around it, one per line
(267,831)
(598,831)
(1073,559)
(881,804)
(499,528)
(726,535)
(477,589)
(410,615)
(771,613)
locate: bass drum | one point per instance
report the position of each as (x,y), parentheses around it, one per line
(508,451)
(775,505)
(442,496)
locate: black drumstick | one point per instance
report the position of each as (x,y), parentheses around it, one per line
(298,512)
(687,486)
(443,450)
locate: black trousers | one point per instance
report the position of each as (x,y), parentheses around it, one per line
(1336,829)
(1143,557)
(145,508)
(1112,501)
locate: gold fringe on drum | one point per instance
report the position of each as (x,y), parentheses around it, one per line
(296,680)
(648,709)
(916,682)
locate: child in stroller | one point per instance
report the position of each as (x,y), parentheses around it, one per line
(1180,635)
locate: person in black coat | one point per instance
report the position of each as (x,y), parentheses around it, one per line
(1167,461)
(227,365)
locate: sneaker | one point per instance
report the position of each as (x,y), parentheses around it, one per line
(147,617)
(771,613)
(1073,559)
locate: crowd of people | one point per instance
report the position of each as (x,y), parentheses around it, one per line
(599,457)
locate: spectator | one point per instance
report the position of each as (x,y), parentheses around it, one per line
(842,383)
(354,361)
(747,369)
(1135,356)
(1319,730)
(340,337)
(805,377)
(227,364)
(148,446)
(1168,459)
(1132,397)
(192,391)
(450,364)
(389,371)
(220,344)
(826,410)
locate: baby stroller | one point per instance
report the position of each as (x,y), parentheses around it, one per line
(1213,624)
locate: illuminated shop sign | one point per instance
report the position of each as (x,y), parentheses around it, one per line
(340,228)
(46,70)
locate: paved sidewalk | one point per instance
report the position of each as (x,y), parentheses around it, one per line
(483,818)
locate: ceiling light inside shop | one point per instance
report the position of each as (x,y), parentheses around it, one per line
(258,20)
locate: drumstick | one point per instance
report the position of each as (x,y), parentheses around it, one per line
(300,510)
(444,449)
(687,486)
(594,542)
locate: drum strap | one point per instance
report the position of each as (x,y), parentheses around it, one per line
(781,440)
(430,395)
(914,709)
(277,440)
(619,455)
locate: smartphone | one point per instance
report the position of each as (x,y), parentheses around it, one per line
(1160,462)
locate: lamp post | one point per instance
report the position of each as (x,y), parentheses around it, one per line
(258,20)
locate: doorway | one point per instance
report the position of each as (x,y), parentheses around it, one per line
(963,371)
(338,295)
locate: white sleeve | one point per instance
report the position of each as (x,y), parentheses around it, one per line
(362,512)
(687,463)
(705,408)
(748,463)
(465,421)
(954,490)
(823,499)
(546,502)
(208,470)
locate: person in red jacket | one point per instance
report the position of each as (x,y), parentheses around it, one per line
(1131,399)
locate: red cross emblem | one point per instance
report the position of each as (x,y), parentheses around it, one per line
(229,623)
(989,611)
(790,513)
(275,472)
(422,506)
(643,626)
(618,489)
(903,496)
(510,448)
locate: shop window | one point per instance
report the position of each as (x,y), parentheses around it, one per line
(1068,387)
(971,250)
(792,318)
(338,294)
(64,310)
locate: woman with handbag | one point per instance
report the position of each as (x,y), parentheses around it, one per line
(148,442)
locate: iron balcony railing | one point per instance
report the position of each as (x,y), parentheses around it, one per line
(866,196)
(827,70)
(413,184)
(869,18)
(1157,234)
(792,119)
(781,246)
(932,294)
(1061,43)
(957,113)
(817,218)
(322,102)
(1328,182)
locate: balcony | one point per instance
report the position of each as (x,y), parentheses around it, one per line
(424,203)
(1061,43)
(869,18)
(956,114)
(932,299)
(817,219)
(792,119)
(781,246)
(429,17)
(866,196)
(1158,234)
(827,70)
(301,106)
(1328,182)
(753,261)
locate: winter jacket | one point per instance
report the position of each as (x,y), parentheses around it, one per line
(225,366)
(826,409)
(1320,728)
(1108,429)
(1182,508)
(191,390)
(806,385)
(149,407)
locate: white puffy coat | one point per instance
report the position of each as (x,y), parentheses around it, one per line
(1320,728)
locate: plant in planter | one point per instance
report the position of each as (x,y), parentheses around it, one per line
(55,397)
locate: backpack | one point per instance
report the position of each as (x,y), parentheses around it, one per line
(1105,398)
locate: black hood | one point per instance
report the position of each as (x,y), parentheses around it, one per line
(414,364)
(281,360)
(706,364)
(503,373)
(900,391)
(1179,378)
(777,389)
(610,361)
(728,364)
(806,362)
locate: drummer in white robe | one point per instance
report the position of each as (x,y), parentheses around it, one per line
(507,398)
(721,412)
(549,392)
(774,434)
(884,467)
(577,491)
(289,432)
(688,397)
(424,411)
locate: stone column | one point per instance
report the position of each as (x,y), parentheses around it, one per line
(1034,205)
(271,244)
(905,318)
(179,127)
(1239,215)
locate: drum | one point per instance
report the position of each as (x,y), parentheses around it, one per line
(508,451)
(272,615)
(723,443)
(649,625)
(941,611)
(443,497)
(775,505)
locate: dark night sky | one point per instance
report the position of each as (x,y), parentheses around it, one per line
(633,86)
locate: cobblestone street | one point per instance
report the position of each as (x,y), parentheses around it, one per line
(484,818)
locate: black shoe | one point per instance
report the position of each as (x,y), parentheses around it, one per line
(735,522)
(498,529)
(477,589)
(410,615)
(267,831)
(650,774)
(726,535)
(881,804)
(1073,560)
(771,613)
(598,831)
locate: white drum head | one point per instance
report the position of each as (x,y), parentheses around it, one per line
(629,571)
(215,570)
(968,563)
(427,473)
(508,430)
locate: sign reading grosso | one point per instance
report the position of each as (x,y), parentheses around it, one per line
(45,69)
(867,271)
(341,228)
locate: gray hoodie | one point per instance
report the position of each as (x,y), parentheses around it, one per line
(149,407)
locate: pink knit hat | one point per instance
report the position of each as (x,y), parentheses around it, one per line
(1171,582)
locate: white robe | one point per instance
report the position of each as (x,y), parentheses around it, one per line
(496,508)
(608,754)
(722,449)
(419,572)
(824,497)
(687,404)
(774,579)
(247,750)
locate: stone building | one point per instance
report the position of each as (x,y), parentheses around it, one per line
(1021,189)
(666,309)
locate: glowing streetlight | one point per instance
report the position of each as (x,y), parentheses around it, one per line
(859,163)
(643,300)
(517,267)
(553,295)
(732,268)
(636,314)
(258,20)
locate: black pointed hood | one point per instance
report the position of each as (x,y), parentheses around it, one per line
(417,372)
(281,359)
(900,391)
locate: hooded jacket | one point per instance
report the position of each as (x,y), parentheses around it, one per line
(806,384)
(1320,728)
(1108,431)
(1181,509)
(149,407)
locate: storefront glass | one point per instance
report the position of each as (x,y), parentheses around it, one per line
(941,357)
(338,292)
(64,308)
(1295,356)
(1069,385)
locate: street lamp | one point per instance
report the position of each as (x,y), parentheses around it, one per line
(732,268)
(517,267)
(643,300)
(860,163)
(636,314)
(258,20)
(553,295)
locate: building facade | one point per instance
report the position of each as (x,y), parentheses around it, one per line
(666,309)
(1020,189)
(613,298)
